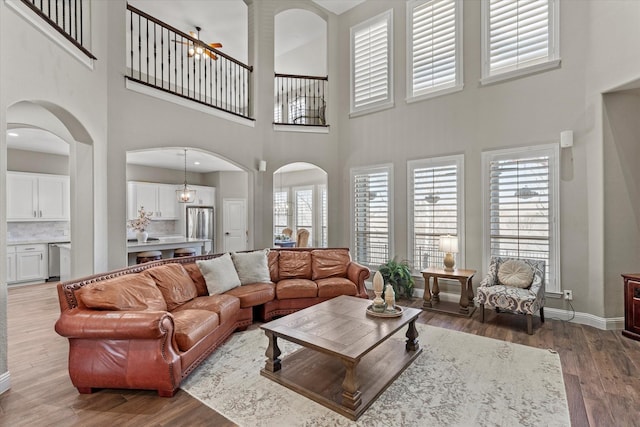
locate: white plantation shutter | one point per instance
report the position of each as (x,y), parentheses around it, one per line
(371,63)
(324,218)
(522,208)
(434,45)
(304,210)
(280,211)
(372,216)
(519,34)
(435,204)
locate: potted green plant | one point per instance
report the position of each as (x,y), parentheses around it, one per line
(398,274)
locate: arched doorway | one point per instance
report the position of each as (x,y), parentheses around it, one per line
(44,118)
(300,202)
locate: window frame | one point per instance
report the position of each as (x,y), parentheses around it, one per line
(458,84)
(388,102)
(553,59)
(368,170)
(412,165)
(296,226)
(553,286)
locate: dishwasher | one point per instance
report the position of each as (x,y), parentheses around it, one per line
(54,261)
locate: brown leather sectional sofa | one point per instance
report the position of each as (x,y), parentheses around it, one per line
(148,326)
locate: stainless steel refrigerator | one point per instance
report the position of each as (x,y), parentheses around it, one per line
(200,223)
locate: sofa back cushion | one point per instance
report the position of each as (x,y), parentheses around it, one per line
(219,274)
(272,260)
(197,277)
(252,267)
(329,263)
(294,265)
(174,283)
(128,292)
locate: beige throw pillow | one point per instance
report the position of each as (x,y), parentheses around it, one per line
(252,267)
(515,273)
(219,274)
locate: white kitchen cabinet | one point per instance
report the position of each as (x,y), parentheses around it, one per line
(37,197)
(205,196)
(29,263)
(157,198)
(11,264)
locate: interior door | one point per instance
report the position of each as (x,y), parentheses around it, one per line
(234,224)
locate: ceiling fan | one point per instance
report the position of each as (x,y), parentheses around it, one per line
(198,51)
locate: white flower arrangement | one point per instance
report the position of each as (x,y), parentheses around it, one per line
(142,221)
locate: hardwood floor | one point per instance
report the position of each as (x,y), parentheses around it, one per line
(601,371)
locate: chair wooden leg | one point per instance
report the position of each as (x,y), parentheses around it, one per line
(482,311)
(530,324)
(542,314)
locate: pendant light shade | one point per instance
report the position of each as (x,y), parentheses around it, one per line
(184,193)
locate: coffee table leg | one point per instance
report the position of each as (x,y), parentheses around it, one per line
(273,353)
(412,337)
(351,396)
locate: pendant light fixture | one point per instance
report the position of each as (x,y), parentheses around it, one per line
(185,194)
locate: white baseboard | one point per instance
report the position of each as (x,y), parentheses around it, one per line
(604,323)
(5,382)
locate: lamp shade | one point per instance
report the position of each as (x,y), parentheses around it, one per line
(449,244)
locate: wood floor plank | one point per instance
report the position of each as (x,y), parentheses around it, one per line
(601,371)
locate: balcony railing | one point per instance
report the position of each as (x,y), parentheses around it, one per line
(167,59)
(300,100)
(65,16)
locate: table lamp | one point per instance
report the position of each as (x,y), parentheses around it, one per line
(449,245)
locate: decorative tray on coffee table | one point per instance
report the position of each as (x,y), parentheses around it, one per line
(395,312)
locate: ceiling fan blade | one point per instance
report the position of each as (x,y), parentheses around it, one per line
(211,55)
(215,45)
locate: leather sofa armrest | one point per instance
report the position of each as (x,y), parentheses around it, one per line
(82,323)
(358,274)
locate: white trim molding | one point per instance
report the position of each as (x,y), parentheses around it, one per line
(5,382)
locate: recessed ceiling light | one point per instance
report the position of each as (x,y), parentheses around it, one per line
(196,163)
(12,134)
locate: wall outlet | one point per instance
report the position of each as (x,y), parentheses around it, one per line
(568,295)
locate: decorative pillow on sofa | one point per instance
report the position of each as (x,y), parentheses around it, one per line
(515,273)
(252,267)
(219,274)
(123,293)
(174,282)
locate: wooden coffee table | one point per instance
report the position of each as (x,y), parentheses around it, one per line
(346,360)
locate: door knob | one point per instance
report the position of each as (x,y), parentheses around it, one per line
(227,233)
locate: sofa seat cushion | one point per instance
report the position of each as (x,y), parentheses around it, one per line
(197,277)
(296,288)
(174,283)
(294,265)
(336,286)
(226,306)
(329,263)
(128,292)
(193,325)
(253,294)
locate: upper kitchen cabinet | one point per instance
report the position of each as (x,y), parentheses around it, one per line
(37,197)
(205,196)
(157,198)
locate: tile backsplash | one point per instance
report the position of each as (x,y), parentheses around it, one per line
(158,228)
(37,230)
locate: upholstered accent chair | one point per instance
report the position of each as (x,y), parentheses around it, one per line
(520,300)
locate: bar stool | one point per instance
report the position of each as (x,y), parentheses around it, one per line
(181,252)
(148,256)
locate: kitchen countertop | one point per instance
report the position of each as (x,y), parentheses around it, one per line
(167,242)
(63,239)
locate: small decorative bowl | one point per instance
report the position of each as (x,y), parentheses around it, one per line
(379,308)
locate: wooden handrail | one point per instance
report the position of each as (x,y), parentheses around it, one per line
(187,36)
(296,76)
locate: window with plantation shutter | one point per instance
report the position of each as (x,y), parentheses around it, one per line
(371,62)
(304,210)
(519,37)
(280,211)
(324,218)
(522,208)
(435,205)
(435,47)
(371,226)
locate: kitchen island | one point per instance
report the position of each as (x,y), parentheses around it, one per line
(166,244)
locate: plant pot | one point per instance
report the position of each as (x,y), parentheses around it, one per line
(142,236)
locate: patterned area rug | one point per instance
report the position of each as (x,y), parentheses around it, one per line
(459,380)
